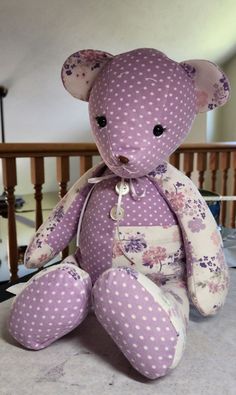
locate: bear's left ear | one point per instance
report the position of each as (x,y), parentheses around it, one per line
(80,71)
(212,85)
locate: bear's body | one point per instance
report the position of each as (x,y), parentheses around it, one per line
(147,241)
(97,241)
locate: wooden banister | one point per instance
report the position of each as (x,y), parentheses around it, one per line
(9,182)
(233,208)
(188,163)
(29,150)
(201,167)
(63,174)
(207,147)
(224,166)
(85,164)
(63,177)
(214,166)
(219,158)
(37,179)
(175,159)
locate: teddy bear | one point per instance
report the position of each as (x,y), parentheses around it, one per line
(147,244)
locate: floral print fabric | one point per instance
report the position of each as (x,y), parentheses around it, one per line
(153,250)
(60,227)
(212,85)
(81,69)
(207,270)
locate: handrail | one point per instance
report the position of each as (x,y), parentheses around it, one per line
(30,150)
(227,146)
(21,150)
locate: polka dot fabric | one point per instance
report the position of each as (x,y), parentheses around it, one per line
(138,324)
(65,229)
(53,303)
(136,91)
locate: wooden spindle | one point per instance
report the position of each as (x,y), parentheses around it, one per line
(188,163)
(214,166)
(201,167)
(63,174)
(233,207)
(85,164)
(63,177)
(175,160)
(9,182)
(37,179)
(224,166)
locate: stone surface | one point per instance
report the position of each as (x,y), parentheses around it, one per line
(88,362)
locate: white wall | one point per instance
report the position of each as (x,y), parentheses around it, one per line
(226,117)
(37,36)
(221,125)
(198,131)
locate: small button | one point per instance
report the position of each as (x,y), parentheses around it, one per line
(122,188)
(117,216)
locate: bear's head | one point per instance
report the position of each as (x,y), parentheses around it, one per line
(141,103)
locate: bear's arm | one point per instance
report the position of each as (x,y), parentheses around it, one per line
(61,226)
(207,271)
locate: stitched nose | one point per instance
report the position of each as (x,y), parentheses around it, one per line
(123,159)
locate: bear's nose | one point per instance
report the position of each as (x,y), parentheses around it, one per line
(123,159)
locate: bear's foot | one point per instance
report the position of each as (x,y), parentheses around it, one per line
(53,303)
(137,315)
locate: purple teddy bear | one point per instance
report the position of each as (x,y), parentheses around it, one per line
(147,243)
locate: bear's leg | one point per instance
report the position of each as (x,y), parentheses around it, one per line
(53,303)
(147,322)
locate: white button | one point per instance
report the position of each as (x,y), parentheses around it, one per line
(116,216)
(122,188)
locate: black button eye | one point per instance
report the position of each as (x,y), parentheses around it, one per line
(101,121)
(158,130)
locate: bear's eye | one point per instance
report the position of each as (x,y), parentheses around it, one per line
(101,121)
(158,130)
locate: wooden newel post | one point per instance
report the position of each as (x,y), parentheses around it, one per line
(9,182)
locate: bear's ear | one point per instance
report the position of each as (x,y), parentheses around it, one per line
(80,71)
(212,85)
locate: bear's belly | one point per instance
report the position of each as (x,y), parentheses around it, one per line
(98,231)
(152,250)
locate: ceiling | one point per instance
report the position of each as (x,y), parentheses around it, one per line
(36,37)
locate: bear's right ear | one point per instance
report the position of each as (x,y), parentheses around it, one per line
(80,71)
